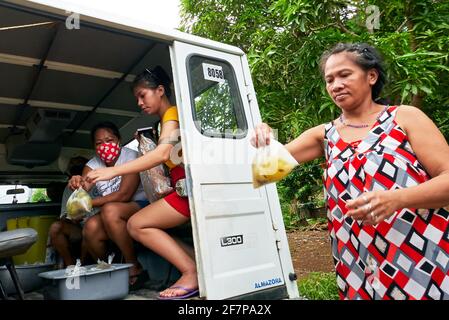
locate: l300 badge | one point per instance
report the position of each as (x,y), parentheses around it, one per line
(231,240)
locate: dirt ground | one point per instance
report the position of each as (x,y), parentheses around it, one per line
(310,250)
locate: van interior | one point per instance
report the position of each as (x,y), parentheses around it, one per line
(55,85)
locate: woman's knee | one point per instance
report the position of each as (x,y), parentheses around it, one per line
(92,228)
(56,229)
(109,213)
(133,227)
(137,229)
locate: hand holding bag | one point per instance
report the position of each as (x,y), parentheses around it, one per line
(271,163)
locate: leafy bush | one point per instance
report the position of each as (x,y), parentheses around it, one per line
(319,286)
(39,195)
(299,192)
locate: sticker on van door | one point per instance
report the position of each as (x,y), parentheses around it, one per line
(231,240)
(213,72)
(269,282)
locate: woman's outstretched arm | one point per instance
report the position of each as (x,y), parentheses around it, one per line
(307,147)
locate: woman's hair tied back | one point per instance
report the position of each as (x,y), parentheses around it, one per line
(152,78)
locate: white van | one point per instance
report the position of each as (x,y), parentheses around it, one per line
(61,72)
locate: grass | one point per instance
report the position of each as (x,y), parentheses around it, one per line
(319,286)
(315,224)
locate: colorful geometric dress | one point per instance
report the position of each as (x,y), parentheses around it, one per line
(403,257)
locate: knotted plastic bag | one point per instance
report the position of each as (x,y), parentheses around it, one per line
(75,270)
(155,181)
(272,163)
(102,265)
(78,204)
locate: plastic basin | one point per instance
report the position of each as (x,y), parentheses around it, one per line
(94,284)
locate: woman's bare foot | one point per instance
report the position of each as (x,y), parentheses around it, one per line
(185,285)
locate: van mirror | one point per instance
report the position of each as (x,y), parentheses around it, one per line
(15,191)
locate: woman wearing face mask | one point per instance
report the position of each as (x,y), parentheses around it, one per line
(152,91)
(118,199)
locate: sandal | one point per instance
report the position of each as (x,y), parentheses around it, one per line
(188,293)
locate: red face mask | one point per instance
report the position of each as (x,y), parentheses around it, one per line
(108,151)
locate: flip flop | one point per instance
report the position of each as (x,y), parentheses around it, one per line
(189,293)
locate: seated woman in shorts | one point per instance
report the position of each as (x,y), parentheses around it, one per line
(116,199)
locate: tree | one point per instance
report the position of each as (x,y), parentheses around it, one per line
(39,195)
(284,40)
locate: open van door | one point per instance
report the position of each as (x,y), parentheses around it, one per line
(240,243)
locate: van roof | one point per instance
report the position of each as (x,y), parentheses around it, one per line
(78,76)
(60,8)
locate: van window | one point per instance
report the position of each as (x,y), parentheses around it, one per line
(216,101)
(12,194)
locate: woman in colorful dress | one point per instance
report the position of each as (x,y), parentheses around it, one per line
(386,181)
(152,91)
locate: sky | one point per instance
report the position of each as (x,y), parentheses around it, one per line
(157,12)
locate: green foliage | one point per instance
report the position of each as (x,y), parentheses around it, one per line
(319,286)
(217,98)
(317,221)
(39,195)
(301,189)
(294,186)
(284,40)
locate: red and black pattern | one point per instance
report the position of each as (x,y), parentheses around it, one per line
(403,257)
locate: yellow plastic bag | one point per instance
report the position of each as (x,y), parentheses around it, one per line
(78,204)
(272,163)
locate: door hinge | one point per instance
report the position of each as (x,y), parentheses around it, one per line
(278,240)
(278,245)
(249,94)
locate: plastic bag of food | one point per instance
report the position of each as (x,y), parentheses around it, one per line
(155,181)
(78,204)
(75,270)
(271,163)
(102,265)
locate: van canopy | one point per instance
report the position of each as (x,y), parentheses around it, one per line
(76,76)
(59,77)
(57,82)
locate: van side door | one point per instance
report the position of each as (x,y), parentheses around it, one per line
(235,240)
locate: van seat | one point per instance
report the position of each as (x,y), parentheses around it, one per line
(12,243)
